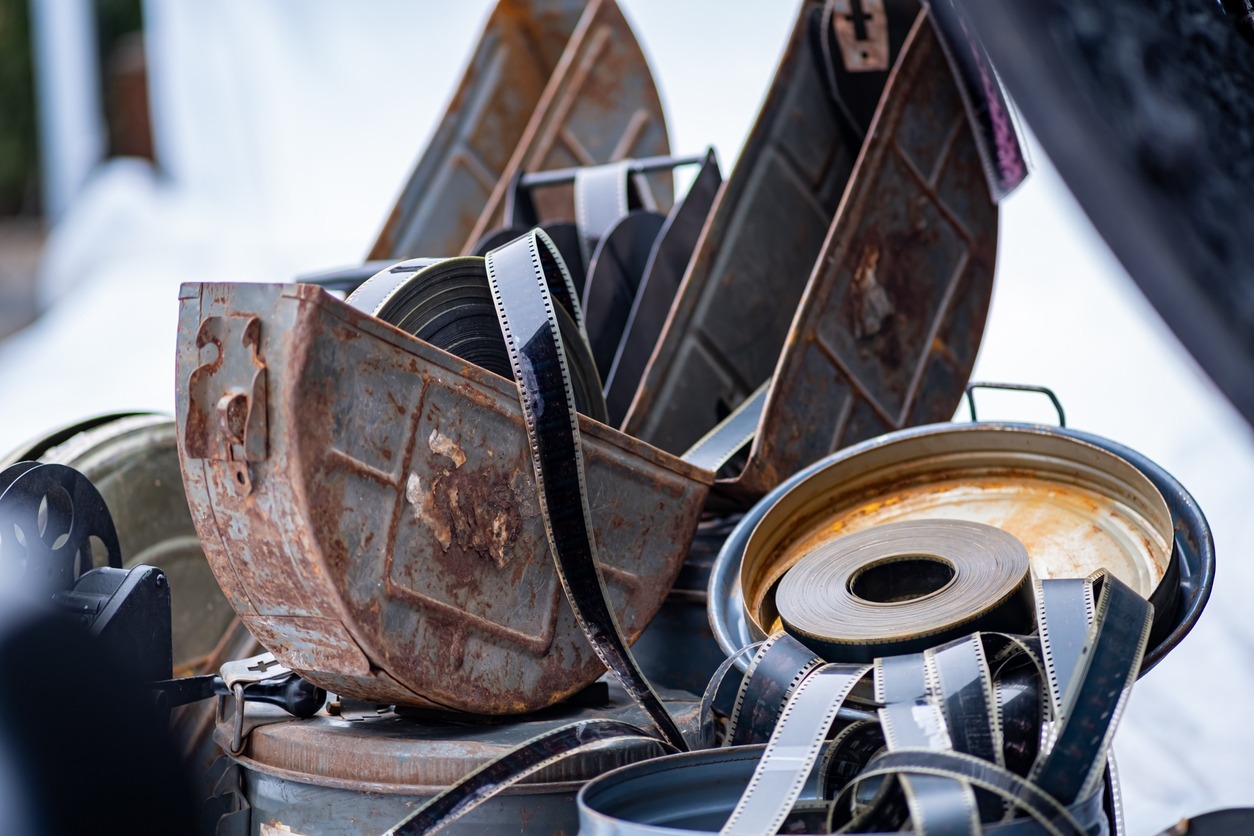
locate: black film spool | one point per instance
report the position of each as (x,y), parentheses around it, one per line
(447,303)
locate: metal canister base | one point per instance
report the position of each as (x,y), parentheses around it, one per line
(363,770)
(284,806)
(1193,547)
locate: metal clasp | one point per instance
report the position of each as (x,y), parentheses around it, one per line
(237,676)
(861,28)
(226,416)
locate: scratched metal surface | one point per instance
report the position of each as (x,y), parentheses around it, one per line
(368,505)
(876,329)
(599,105)
(517,52)
(767,227)
(888,330)
(1076,507)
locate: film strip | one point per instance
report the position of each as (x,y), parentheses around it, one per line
(626,258)
(939,758)
(792,750)
(448,303)
(659,284)
(903,587)
(520,288)
(781,664)
(526,759)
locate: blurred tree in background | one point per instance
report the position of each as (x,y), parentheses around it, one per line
(119,27)
(19,138)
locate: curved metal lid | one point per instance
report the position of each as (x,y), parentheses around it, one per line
(1193,546)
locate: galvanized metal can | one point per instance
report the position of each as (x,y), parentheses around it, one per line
(363,771)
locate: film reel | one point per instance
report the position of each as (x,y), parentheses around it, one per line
(447,303)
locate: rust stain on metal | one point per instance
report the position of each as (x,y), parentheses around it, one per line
(871,305)
(476,510)
(1075,508)
(392,548)
(887,330)
(518,50)
(599,104)
(862,33)
(442,445)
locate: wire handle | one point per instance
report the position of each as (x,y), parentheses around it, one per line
(1015,387)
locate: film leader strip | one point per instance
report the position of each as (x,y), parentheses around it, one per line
(533,299)
(953,731)
(521,279)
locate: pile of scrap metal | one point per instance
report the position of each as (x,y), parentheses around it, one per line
(562,411)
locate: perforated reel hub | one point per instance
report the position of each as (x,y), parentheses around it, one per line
(54,527)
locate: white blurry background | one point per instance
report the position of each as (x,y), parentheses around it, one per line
(286,128)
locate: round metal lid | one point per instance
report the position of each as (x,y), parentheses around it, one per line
(1193,551)
(1076,507)
(382,751)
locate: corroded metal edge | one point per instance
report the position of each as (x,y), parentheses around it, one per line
(521,44)
(308,578)
(580,119)
(892,318)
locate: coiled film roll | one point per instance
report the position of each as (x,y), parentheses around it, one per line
(447,303)
(903,587)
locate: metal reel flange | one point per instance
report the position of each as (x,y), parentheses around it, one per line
(49,515)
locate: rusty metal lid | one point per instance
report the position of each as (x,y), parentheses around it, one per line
(382,751)
(858,287)
(1076,507)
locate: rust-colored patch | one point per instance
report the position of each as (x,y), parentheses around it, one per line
(473,510)
(442,445)
(871,305)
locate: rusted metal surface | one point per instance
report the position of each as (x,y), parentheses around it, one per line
(887,332)
(520,46)
(1178,601)
(366,750)
(600,105)
(861,30)
(767,227)
(1074,506)
(551,83)
(364,771)
(887,329)
(390,545)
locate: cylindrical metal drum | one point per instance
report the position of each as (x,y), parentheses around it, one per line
(363,771)
(694,793)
